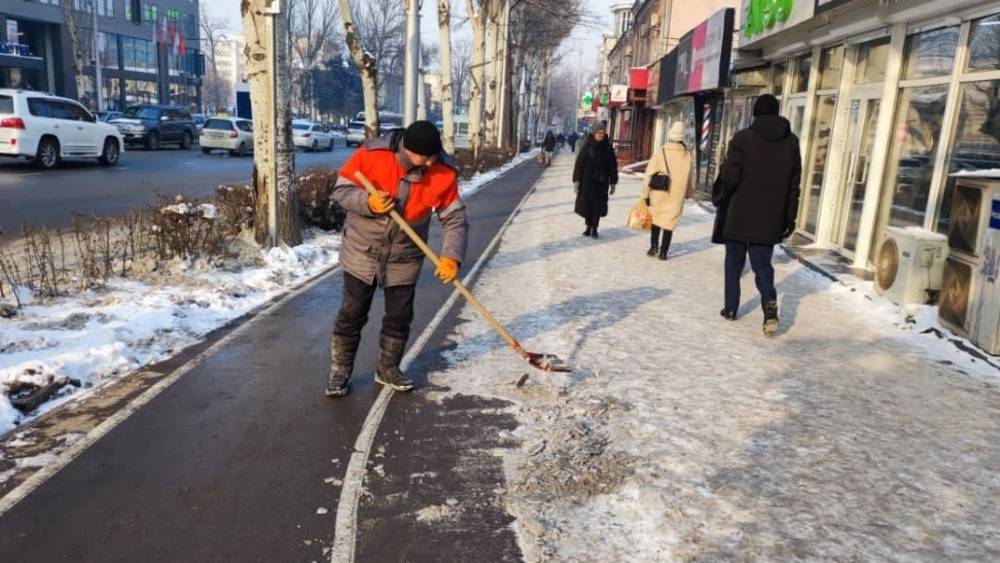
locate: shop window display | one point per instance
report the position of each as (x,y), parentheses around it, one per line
(800,74)
(977,138)
(931,53)
(778,79)
(915,144)
(822,133)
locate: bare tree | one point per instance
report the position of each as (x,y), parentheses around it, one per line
(367,66)
(215,89)
(447,109)
(274,154)
(380,27)
(80,40)
(313,31)
(477,17)
(461,60)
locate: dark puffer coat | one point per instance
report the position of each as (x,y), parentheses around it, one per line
(597,170)
(759,196)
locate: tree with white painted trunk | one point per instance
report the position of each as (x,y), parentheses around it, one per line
(268,65)
(447,107)
(474,9)
(367,67)
(494,9)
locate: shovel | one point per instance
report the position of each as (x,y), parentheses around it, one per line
(544,362)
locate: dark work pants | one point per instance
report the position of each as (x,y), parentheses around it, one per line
(760,263)
(654,238)
(357,301)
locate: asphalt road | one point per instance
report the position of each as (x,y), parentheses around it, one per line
(51,198)
(232,462)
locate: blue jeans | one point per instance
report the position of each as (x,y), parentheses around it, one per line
(760,263)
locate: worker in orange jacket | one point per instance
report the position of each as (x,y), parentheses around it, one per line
(416,178)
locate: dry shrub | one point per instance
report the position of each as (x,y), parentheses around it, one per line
(489,159)
(187,229)
(235,205)
(316,205)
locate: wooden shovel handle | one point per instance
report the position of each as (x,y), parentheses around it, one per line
(499,328)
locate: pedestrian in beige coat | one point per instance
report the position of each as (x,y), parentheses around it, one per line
(675,161)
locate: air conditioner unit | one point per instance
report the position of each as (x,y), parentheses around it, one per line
(910,261)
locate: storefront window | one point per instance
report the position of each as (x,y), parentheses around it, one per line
(931,53)
(822,133)
(977,138)
(831,64)
(140,92)
(778,78)
(917,130)
(800,74)
(872,60)
(112,93)
(107,46)
(984,44)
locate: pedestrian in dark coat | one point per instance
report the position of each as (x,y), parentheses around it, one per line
(573,138)
(595,177)
(759,194)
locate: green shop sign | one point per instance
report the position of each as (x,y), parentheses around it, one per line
(763,17)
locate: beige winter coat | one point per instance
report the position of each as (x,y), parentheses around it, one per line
(674,160)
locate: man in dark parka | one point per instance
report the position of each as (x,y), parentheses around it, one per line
(758,201)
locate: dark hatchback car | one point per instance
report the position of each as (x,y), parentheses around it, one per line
(154,126)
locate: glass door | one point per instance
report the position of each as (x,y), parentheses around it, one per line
(796,112)
(815,170)
(861,124)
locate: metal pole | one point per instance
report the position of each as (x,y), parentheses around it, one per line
(412,61)
(98,78)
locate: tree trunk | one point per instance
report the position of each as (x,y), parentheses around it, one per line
(274,161)
(478,74)
(78,61)
(492,70)
(367,67)
(447,109)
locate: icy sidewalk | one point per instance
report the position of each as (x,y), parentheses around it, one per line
(684,437)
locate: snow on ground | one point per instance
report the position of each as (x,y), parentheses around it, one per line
(97,336)
(680,436)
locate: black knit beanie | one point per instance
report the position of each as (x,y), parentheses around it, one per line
(423,138)
(766,105)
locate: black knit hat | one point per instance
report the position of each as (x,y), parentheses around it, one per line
(766,105)
(423,138)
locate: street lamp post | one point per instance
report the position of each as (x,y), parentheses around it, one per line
(411,69)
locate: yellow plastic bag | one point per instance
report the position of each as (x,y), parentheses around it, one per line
(639,217)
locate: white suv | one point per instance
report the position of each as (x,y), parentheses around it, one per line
(46,129)
(233,134)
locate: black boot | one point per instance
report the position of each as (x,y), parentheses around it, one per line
(342,352)
(653,251)
(390,354)
(728,315)
(663,252)
(586,233)
(770,318)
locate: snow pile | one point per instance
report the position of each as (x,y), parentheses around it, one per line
(204,210)
(97,336)
(680,436)
(479,181)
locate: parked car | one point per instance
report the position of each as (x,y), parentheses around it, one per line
(47,129)
(233,134)
(338,135)
(311,136)
(387,122)
(199,121)
(154,126)
(355,133)
(107,116)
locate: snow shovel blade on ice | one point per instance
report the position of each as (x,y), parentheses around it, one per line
(544,362)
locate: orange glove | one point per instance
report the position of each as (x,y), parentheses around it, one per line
(447,270)
(381,204)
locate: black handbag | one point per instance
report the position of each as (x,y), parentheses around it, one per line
(660,181)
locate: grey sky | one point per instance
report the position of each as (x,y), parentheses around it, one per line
(586,39)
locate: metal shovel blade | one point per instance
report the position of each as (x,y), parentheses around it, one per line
(547,362)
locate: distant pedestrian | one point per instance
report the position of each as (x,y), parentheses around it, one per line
(548,147)
(561,140)
(668,181)
(758,199)
(573,138)
(595,176)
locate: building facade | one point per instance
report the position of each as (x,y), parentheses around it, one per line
(147,51)
(889,99)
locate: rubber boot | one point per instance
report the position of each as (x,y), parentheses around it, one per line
(770,318)
(390,354)
(342,352)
